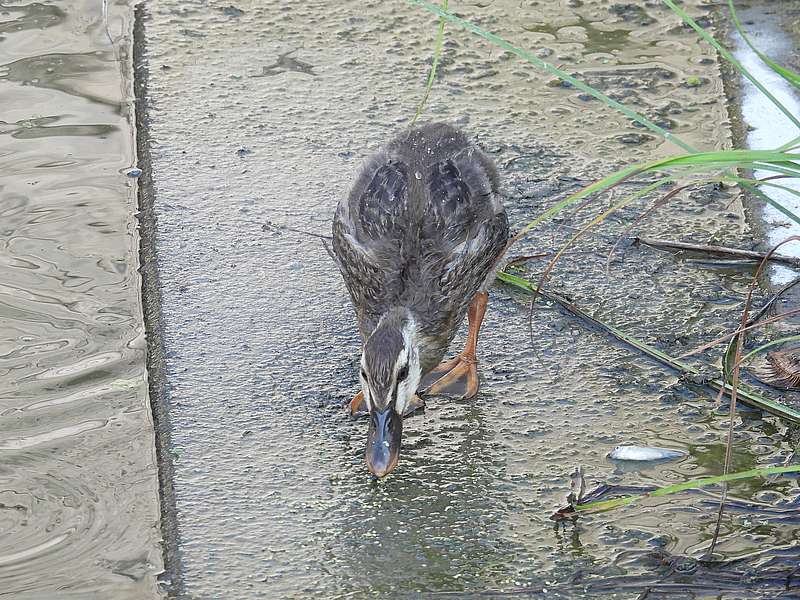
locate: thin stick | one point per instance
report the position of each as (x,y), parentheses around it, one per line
(656,205)
(772,301)
(722,251)
(737,359)
(598,219)
(724,338)
(662,201)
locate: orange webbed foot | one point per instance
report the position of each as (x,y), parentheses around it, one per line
(461,378)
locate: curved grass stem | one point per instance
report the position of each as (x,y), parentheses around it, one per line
(432,74)
(778,342)
(790,76)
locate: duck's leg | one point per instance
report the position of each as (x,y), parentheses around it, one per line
(464,365)
(355,405)
(416,404)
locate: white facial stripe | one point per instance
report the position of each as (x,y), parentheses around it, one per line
(408,387)
(401,361)
(364,386)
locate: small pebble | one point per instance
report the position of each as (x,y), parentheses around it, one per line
(232,11)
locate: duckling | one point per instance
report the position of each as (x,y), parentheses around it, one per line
(418,240)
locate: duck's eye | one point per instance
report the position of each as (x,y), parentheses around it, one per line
(401,376)
(363,374)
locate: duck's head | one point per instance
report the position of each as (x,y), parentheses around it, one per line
(390,375)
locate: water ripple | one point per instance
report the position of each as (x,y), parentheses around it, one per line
(79,508)
(49,518)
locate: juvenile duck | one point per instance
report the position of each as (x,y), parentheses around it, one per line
(417,241)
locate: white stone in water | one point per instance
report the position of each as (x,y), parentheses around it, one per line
(643,453)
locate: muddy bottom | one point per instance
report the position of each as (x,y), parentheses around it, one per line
(79,510)
(259,118)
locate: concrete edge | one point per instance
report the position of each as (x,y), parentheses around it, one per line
(172,578)
(732,86)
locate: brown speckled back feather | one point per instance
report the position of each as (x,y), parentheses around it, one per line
(422,228)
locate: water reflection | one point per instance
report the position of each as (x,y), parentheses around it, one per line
(593,38)
(30,16)
(78,495)
(438,524)
(81,75)
(30,129)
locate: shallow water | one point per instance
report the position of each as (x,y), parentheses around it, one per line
(79,510)
(259,118)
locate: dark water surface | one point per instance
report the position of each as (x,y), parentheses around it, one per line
(260,114)
(79,509)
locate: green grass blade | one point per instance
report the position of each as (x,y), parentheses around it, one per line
(603,505)
(597,186)
(789,75)
(599,219)
(733,157)
(761,183)
(746,395)
(553,70)
(436,53)
(723,159)
(773,203)
(775,167)
(729,359)
(729,57)
(790,145)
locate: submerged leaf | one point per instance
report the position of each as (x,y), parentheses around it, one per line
(603,505)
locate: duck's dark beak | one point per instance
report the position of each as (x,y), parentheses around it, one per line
(383,441)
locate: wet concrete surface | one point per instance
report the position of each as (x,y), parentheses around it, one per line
(258,117)
(79,504)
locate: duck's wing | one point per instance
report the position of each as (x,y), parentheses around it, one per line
(422,225)
(465,223)
(368,229)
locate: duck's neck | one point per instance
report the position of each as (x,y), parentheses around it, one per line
(400,319)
